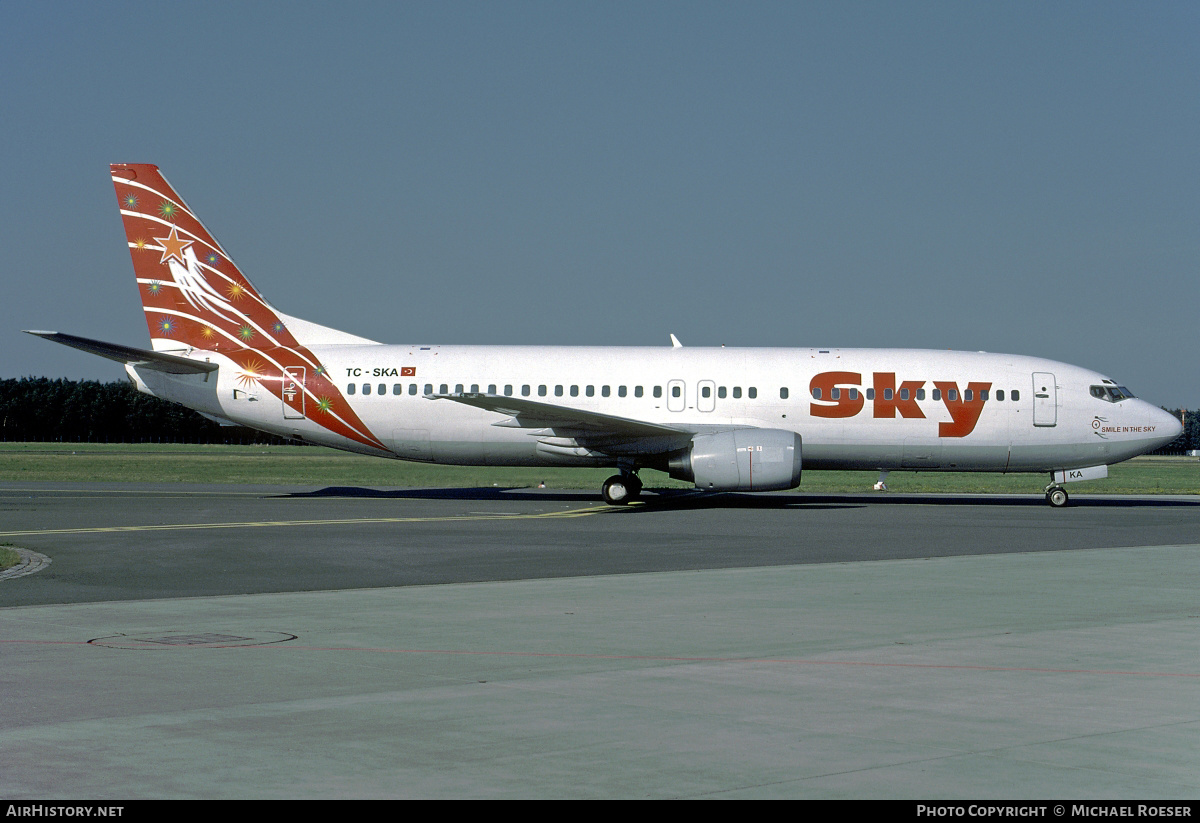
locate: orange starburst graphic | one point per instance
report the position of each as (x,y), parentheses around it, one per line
(251,373)
(235,291)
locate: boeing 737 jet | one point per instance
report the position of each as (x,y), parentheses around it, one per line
(725,419)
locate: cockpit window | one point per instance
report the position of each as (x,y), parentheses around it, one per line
(1112,394)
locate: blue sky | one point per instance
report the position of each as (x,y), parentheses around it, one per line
(1017,177)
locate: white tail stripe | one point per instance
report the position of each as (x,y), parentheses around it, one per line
(180,203)
(150,310)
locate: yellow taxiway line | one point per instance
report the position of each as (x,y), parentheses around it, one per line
(261,524)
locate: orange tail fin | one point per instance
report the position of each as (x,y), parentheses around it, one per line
(196,298)
(192,293)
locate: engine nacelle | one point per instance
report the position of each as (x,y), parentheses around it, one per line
(753,460)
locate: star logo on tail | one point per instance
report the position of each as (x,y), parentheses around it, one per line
(173,246)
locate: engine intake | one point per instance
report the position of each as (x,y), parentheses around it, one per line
(740,460)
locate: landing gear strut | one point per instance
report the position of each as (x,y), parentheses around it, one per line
(621,489)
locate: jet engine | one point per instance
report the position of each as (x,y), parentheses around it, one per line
(755,460)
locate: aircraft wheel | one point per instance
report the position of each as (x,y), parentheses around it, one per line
(617,490)
(621,489)
(1057,497)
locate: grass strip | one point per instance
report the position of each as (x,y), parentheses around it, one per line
(317,466)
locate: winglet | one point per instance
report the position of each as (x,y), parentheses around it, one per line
(675,344)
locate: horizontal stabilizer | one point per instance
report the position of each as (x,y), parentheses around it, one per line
(142,358)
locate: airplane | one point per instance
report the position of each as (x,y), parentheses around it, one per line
(723,419)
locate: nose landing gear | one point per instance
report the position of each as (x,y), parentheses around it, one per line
(1056,496)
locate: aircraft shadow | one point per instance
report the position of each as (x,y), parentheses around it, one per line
(679,499)
(476,493)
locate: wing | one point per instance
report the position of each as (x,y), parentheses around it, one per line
(555,425)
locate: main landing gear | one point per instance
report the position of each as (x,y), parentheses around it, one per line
(1056,496)
(621,489)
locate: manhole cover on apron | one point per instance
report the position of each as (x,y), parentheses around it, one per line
(191,640)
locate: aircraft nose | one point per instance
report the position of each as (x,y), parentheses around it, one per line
(1166,426)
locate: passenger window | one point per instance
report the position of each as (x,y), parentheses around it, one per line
(491,388)
(443,389)
(658,391)
(1015,395)
(835,393)
(870,394)
(474,388)
(983,395)
(458,389)
(525,390)
(412,388)
(541,391)
(604,391)
(783,393)
(381,388)
(737,392)
(558,391)
(854,394)
(904,395)
(366,388)
(968,395)
(508,389)
(574,391)
(887,394)
(428,388)
(675,391)
(752,392)
(706,392)
(937,394)
(590,391)
(816,392)
(1000,394)
(920,394)
(397,388)
(620,391)
(721,392)
(637,391)
(952,395)
(350,389)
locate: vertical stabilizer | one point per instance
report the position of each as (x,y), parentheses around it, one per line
(196,300)
(193,294)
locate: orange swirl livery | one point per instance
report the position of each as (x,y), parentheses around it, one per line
(196,300)
(725,419)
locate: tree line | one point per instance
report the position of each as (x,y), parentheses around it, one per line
(1190,439)
(39,409)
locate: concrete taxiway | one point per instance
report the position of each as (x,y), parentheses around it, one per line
(191,641)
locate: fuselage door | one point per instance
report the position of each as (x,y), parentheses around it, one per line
(1045,399)
(293,393)
(676,396)
(706,396)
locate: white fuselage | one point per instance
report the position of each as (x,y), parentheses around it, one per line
(853,408)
